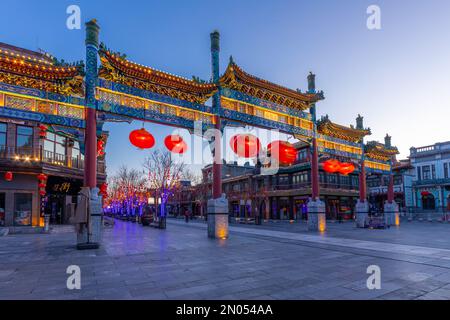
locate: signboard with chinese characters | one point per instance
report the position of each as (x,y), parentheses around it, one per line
(65,186)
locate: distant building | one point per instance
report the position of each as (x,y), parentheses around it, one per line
(431,183)
(281,196)
(403,180)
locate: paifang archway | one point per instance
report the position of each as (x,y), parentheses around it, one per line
(79,98)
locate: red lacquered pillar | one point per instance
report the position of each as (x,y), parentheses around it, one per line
(362,183)
(315,171)
(217,164)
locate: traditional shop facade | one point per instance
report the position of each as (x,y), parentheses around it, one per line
(25,153)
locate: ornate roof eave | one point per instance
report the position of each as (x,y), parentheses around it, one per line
(237,79)
(379,151)
(19,67)
(116,67)
(39,71)
(326,127)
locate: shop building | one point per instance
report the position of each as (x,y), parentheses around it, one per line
(431,184)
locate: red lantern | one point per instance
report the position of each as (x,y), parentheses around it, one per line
(42,177)
(8,176)
(346,168)
(42,192)
(174,143)
(142,139)
(100,147)
(425,193)
(283,151)
(331,166)
(42,130)
(245,145)
(104,188)
(42,185)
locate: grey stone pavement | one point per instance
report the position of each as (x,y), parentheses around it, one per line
(273,261)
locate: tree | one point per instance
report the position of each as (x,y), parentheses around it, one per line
(127,189)
(164,175)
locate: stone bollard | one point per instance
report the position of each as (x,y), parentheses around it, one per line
(316,216)
(362,214)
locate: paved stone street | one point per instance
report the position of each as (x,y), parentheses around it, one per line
(276,261)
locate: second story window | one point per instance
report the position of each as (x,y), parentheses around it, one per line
(426,173)
(344,180)
(54,148)
(302,155)
(24,140)
(446,173)
(3,128)
(332,179)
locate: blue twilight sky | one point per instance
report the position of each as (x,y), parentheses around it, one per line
(398,77)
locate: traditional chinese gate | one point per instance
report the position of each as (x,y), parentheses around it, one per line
(126,89)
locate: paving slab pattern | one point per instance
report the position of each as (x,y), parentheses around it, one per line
(271,262)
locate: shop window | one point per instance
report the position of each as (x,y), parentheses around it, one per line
(3,128)
(2,209)
(24,140)
(22,209)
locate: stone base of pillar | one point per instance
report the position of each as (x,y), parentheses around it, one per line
(362,214)
(316,216)
(218,218)
(391,214)
(90,237)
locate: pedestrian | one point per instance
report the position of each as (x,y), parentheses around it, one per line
(186,215)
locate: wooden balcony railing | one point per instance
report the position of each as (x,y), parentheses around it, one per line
(45,156)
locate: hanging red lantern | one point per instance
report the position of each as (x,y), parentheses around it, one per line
(175,143)
(42,192)
(104,188)
(346,168)
(42,130)
(245,145)
(331,166)
(100,147)
(8,176)
(142,139)
(42,185)
(283,151)
(425,193)
(42,177)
